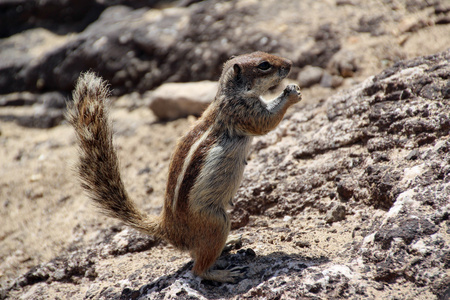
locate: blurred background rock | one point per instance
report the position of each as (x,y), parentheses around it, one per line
(139,45)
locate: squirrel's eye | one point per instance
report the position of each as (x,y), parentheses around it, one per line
(264,66)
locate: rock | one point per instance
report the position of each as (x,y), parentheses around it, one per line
(138,50)
(393,111)
(363,144)
(415,5)
(19,54)
(18,99)
(129,241)
(53,100)
(42,117)
(176,100)
(343,63)
(326,44)
(309,76)
(59,16)
(346,188)
(46,110)
(344,2)
(70,15)
(406,229)
(64,269)
(50,100)
(442,20)
(330,81)
(413,155)
(80,264)
(441,8)
(371,24)
(239,219)
(336,213)
(413,25)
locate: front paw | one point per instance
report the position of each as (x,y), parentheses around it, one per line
(293,92)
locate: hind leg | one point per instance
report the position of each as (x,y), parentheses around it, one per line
(209,243)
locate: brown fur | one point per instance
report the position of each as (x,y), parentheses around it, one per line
(206,167)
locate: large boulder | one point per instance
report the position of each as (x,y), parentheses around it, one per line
(381,153)
(362,146)
(60,16)
(139,49)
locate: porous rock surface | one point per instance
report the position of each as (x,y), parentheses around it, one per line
(383,144)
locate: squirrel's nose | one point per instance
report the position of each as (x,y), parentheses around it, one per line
(284,71)
(285,68)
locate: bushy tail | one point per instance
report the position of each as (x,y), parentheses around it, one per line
(98,165)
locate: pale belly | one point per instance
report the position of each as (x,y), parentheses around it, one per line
(221,174)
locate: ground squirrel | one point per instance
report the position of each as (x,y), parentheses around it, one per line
(208,163)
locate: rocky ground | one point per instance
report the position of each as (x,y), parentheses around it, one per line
(348,198)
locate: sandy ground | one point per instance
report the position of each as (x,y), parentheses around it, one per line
(41,199)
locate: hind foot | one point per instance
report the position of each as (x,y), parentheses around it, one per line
(231,275)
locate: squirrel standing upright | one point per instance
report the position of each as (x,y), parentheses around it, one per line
(208,163)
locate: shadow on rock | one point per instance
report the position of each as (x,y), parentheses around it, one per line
(183,283)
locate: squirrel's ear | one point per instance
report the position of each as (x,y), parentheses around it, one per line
(237,72)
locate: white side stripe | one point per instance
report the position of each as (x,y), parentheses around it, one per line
(186,163)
